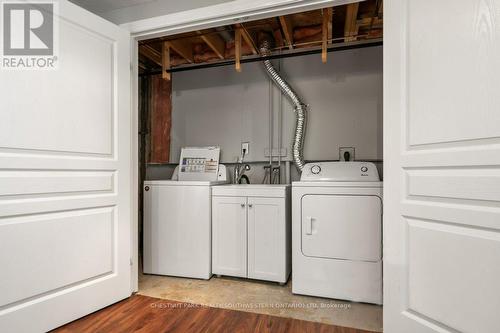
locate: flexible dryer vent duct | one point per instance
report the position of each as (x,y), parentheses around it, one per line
(300,108)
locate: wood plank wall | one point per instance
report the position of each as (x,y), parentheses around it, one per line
(160,120)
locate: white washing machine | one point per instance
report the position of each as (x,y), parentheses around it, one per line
(178,216)
(337,232)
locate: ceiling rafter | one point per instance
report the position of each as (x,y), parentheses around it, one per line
(326,32)
(150,53)
(286,26)
(184,48)
(351,25)
(215,42)
(248,39)
(320,29)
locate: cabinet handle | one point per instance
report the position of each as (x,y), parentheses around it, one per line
(250,205)
(242,205)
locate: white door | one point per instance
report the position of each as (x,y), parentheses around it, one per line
(266,238)
(65,179)
(342,227)
(229,236)
(442,166)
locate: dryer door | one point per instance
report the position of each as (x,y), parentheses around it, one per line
(345,227)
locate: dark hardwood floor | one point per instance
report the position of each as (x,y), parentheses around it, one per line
(147,314)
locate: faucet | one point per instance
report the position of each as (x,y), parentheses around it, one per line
(239,170)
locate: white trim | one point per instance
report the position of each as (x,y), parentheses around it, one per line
(196,19)
(222,14)
(134,160)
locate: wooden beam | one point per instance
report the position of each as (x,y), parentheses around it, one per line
(369,21)
(150,52)
(237,49)
(216,43)
(287,28)
(329,14)
(165,61)
(248,39)
(184,49)
(278,38)
(326,32)
(351,27)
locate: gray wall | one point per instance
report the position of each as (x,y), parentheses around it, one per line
(218,106)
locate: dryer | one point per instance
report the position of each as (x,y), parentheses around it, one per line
(337,232)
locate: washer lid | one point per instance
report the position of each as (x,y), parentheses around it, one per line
(340,172)
(184,182)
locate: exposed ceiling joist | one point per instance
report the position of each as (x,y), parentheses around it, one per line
(351,26)
(287,28)
(278,38)
(237,49)
(368,21)
(248,39)
(182,48)
(216,43)
(150,53)
(165,60)
(329,13)
(320,29)
(326,32)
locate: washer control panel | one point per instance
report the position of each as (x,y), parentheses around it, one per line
(340,171)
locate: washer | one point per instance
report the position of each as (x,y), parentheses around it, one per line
(178,216)
(177,228)
(337,232)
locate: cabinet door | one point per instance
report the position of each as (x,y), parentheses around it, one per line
(229,236)
(267,239)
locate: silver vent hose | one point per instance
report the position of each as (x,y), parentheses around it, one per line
(300,107)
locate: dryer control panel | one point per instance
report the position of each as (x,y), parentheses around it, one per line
(340,171)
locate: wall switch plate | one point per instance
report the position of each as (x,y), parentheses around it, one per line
(349,150)
(245,148)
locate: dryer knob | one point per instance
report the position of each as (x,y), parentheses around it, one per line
(315,169)
(364,169)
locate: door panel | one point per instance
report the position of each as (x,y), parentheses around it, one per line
(437,298)
(50,236)
(442,166)
(342,227)
(266,238)
(438,94)
(229,236)
(65,179)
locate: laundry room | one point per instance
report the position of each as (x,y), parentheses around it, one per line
(261,164)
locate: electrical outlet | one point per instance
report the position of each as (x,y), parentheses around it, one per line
(346,152)
(245,148)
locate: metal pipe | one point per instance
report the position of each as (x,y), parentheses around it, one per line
(280,123)
(300,107)
(271,130)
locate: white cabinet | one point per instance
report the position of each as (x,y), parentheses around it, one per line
(229,236)
(251,231)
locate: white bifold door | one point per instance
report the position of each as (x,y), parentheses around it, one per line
(442,166)
(65,178)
